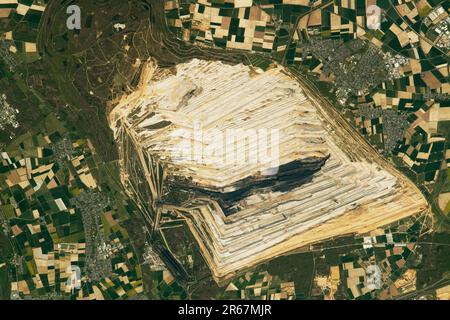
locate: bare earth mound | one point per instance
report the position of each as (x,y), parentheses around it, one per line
(267,169)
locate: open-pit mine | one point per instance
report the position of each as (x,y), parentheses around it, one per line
(255,163)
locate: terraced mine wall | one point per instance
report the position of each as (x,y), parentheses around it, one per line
(136,174)
(288,177)
(348,188)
